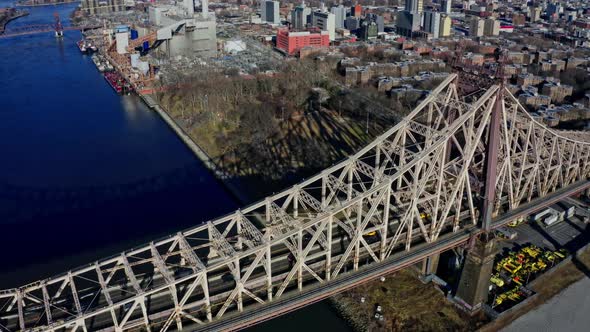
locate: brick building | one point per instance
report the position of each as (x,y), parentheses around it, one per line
(556,91)
(292,42)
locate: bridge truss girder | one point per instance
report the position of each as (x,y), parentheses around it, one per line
(422,178)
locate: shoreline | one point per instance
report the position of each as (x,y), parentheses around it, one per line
(335,305)
(6,20)
(195,148)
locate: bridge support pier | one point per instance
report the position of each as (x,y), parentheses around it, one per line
(429,267)
(474,284)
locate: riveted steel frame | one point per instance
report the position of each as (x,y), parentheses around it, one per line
(420,179)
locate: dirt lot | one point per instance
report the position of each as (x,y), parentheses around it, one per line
(407,305)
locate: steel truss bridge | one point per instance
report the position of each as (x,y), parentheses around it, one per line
(416,190)
(41,28)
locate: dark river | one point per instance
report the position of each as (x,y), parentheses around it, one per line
(85,173)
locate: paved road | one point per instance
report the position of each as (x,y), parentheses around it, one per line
(567,311)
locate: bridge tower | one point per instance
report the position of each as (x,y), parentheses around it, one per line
(474,283)
(59,29)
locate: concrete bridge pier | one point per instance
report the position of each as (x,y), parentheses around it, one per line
(430,265)
(474,283)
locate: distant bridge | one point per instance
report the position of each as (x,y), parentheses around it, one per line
(56,27)
(451,170)
(40,28)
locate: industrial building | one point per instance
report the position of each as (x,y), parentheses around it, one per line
(184,32)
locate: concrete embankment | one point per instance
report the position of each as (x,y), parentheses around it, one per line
(196,149)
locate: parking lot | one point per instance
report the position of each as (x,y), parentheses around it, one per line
(531,248)
(571,234)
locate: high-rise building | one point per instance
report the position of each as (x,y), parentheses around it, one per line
(356,10)
(432,23)
(352,23)
(476,27)
(445,6)
(534,13)
(378,19)
(368,29)
(300,17)
(408,22)
(324,21)
(445,26)
(339,15)
(415,6)
(554,9)
(491,27)
(270,12)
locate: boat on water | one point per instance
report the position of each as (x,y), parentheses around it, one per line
(86,46)
(82,46)
(101,63)
(118,83)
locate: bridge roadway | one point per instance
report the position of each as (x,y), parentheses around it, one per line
(402,174)
(256,313)
(259,313)
(161,303)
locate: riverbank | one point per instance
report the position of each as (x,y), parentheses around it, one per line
(9,14)
(405,303)
(195,148)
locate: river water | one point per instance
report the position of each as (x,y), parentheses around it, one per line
(85,173)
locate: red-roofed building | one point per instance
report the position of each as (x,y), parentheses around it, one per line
(292,42)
